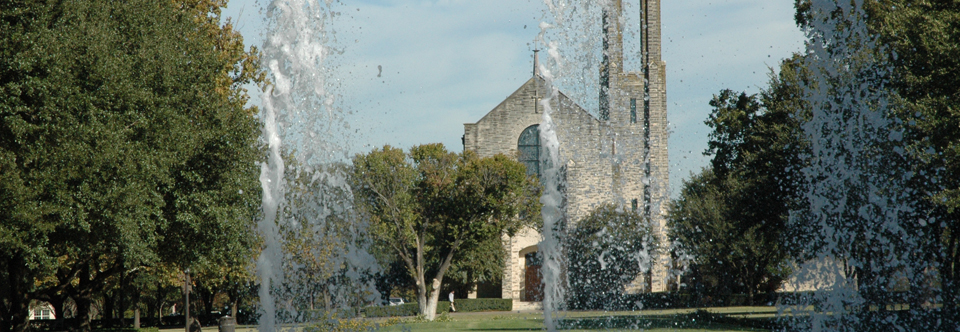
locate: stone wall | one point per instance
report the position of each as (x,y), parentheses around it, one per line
(605,160)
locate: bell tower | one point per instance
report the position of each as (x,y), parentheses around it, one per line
(634,106)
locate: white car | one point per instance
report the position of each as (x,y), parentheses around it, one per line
(396,301)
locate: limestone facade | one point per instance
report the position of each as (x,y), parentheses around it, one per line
(618,157)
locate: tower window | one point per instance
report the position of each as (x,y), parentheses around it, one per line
(633,110)
(528,147)
(635,204)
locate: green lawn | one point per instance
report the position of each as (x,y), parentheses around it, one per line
(718,319)
(711,319)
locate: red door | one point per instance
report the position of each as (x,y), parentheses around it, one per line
(532,285)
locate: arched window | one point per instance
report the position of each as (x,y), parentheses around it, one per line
(529,148)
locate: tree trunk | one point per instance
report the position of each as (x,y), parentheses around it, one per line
(83,313)
(136,307)
(109,309)
(949,273)
(57,302)
(19,317)
(421,282)
(207,297)
(136,317)
(159,305)
(422,297)
(234,293)
(327,300)
(431,312)
(429,309)
(14,296)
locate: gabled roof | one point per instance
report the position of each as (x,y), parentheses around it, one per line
(542,82)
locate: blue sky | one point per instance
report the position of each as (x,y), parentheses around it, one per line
(443,63)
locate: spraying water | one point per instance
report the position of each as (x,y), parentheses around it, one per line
(551,249)
(585,47)
(313,252)
(859,239)
(857,205)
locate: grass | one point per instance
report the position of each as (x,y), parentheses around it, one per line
(686,320)
(713,319)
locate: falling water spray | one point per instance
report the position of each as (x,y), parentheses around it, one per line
(302,124)
(551,246)
(584,61)
(858,203)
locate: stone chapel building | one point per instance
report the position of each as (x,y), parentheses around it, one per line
(619,157)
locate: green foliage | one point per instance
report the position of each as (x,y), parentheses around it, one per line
(443,317)
(335,324)
(317,315)
(406,309)
(731,218)
(920,41)
(463,305)
(116,151)
(320,239)
(429,206)
(699,320)
(925,36)
(607,250)
(476,305)
(484,262)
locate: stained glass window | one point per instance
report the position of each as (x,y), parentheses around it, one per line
(529,148)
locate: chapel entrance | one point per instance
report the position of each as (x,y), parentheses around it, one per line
(532,284)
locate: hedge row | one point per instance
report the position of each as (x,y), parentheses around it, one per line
(474,305)
(321,315)
(463,305)
(95,324)
(670,300)
(406,309)
(667,300)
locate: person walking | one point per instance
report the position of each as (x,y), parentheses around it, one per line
(452,308)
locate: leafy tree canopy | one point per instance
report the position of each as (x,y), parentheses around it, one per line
(731,218)
(122,144)
(919,42)
(430,206)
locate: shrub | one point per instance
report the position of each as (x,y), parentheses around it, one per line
(606,251)
(320,314)
(444,306)
(406,309)
(473,305)
(669,300)
(463,305)
(341,325)
(343,320)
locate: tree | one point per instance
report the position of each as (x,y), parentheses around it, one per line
(482,262)
(121,146)
(732,217)
(429,206)
(698,228)
(915,51)
(925,36)
(326,263)
(728,256)
(607,250)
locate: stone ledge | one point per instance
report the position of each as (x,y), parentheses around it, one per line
(527,306)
